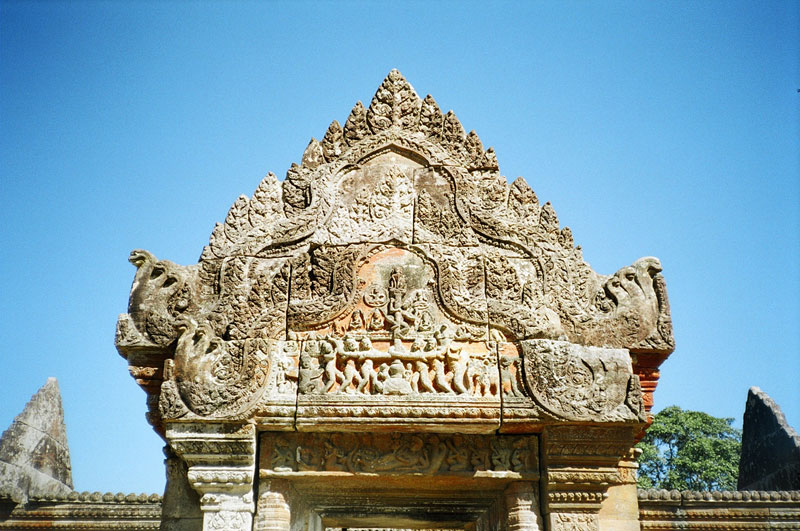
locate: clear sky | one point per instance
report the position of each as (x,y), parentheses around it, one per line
(659,128)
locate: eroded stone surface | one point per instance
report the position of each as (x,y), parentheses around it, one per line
(34,455)
(770,447)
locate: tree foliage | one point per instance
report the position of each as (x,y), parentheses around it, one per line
(689,450)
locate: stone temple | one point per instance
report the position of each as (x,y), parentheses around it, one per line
(396,337)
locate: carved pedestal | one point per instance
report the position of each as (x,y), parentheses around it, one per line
(221,468)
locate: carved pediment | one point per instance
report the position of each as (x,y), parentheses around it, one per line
(393,262)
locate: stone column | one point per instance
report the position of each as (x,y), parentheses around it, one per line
(580,464)
(273,512)
(221,467)
(522,507)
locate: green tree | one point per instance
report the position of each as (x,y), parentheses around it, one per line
(689,450)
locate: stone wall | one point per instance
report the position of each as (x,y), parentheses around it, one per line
(722,510)
(83,511)
(658,510)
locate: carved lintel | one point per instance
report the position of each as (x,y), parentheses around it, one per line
(283,455)
(221,468)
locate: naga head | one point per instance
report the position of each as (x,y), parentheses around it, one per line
(139,257)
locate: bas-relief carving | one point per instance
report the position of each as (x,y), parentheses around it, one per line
(393,261)
(397,453)
(574,522)
(546,379)
(582,383)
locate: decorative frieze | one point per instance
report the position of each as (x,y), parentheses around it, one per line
(284,454)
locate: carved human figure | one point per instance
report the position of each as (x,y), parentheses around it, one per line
(506,377)
(351,376)
(501,455)
(480,459)
(382,376)
(440,378)
(519,455)
(377,321)
(307,459)
(333,458)
(335,454)
(368,377)
(458,454)
(408,454)
(332,373)
(400,318)
(438,452)
(357,321)
(283,458)
(423,370)
(310,373)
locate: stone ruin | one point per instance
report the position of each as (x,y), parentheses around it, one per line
(34,454)
(395,336)
(770,447)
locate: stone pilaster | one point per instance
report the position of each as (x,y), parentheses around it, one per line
(221,468)
(620,509)
(580,464)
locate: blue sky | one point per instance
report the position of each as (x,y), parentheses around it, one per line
(666,129)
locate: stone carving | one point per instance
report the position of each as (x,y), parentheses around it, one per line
(391,293)
(228,520)
(162,293)
(352,365)
(574,522)
(581,383)
(387,258)
(395,104)
(428,454)
(212,376)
